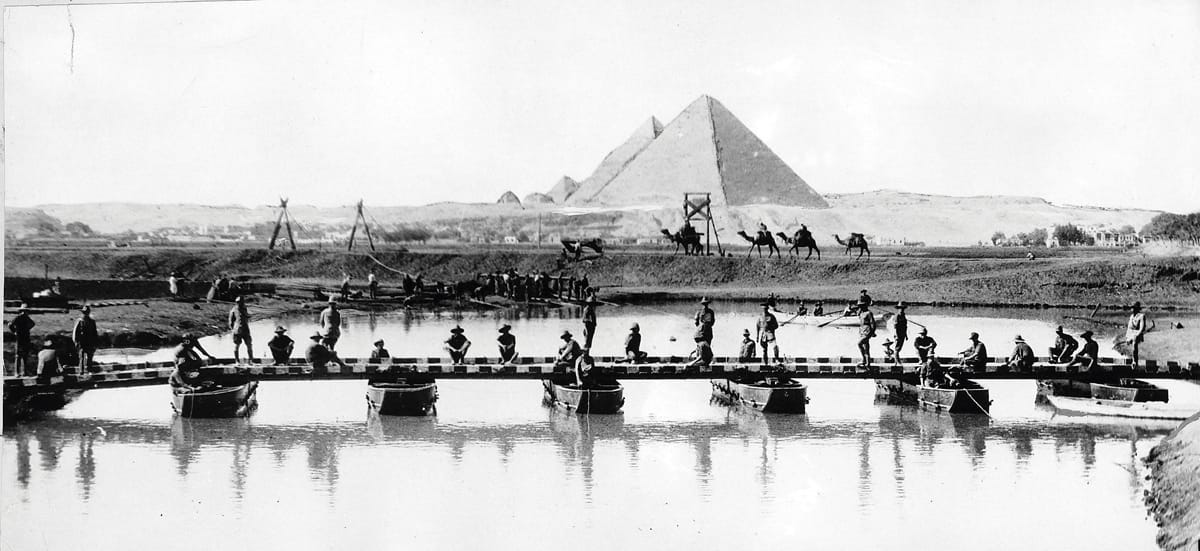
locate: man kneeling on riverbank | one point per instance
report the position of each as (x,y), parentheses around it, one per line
(319,355)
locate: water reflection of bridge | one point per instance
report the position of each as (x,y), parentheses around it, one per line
(575,438)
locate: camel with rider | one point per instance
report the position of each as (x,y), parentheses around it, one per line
(802,238)
(763,239)
(690,243)
(856,241)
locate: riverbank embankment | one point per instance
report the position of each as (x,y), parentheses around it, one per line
(1174,495)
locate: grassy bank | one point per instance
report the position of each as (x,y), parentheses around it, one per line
(935,276)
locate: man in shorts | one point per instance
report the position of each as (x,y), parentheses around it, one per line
(239,326)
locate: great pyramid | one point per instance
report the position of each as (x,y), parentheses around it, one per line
(705,149)
(563,189)
(617,160)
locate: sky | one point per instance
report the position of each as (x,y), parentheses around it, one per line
(1088,102)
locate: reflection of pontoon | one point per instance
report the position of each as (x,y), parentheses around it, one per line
(595,397)
(967,397)
(1125,398)
(931,424)
(226,401)
(757,392)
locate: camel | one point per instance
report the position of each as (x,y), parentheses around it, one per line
(691,244)
(758,242)
(576,246)
(800,241)
(856,241)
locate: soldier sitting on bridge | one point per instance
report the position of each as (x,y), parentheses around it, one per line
(569,352)
(702,356)
(457,345)
(319,355)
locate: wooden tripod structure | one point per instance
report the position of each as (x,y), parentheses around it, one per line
(698,206)
(283,219)
(366,229)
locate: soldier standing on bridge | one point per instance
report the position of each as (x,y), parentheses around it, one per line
(86,338)
(345,289)
(900,329)
(1136,329)
(705,318)
(866,329)
(331,324)
(767,324)
(239,325)
(20,326)
(507,343)
(589,321)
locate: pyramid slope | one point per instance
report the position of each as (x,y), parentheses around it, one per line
(509,198)
(751,173)
(563,189)
(617,160)
(682,159)
(537,198)
(707,149)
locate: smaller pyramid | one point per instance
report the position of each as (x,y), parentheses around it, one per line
(617,159)
(565,188)
(509,198)
(537,198)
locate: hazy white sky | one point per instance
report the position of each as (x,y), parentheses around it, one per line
(1077,101)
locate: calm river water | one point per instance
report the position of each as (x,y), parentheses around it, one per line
(311,469)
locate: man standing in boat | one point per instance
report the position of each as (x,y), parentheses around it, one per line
(281,346)
(749,348)
(457,345)
(372,285)
(866,329)
(345,289)
(633,345)
(589,320)
(900,330)
(1064,346)
(508,344)
(925,345)
(569,352)
(975,356)
(585,368)
(331,324)
(705,318)
(766,326)
(1136,329)
(1022,356)
(86,338)
(239,326)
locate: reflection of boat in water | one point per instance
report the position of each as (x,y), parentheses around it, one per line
(758,424)
(1125,398)
(603,426)
(402,397)
(762,394)
(19,406)
(827,320)
(597,397)
(392,427)
(935,424)
(966,397)
(227,401)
